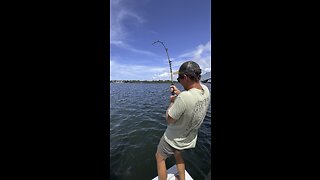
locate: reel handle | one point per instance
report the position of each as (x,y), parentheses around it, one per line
(172,90)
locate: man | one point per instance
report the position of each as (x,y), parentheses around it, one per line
(185,115)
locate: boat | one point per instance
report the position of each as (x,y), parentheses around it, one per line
(172,172)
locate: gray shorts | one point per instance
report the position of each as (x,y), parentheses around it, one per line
(165,149)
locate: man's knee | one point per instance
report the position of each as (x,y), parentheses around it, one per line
(159,157)
(177,153)
(178,156)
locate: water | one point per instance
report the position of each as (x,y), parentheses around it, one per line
(137,122)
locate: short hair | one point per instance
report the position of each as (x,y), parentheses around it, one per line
(191,69)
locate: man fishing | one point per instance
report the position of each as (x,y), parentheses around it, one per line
(185,114)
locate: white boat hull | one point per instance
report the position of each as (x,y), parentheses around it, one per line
(172,171)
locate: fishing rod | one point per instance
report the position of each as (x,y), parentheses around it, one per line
(168,60)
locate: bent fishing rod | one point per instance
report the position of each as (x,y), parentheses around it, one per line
(172,92)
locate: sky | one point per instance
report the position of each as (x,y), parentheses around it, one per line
(184,26)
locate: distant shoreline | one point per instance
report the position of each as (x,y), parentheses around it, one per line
(138,81)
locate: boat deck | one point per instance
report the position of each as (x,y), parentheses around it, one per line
(172,172)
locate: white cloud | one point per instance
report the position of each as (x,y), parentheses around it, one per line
(133,72)
(201,55)
(165,75)
(119,34)
(199,51)
(130,48)
(115,42)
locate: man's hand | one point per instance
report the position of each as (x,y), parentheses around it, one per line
(175,90)
(172,98)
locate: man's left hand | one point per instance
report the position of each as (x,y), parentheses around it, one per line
(172,98)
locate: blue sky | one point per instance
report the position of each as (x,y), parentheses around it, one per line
(183,25)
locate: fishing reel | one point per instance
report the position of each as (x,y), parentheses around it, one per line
(172,90)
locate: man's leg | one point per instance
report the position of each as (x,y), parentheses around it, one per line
(180,164)
(161,166)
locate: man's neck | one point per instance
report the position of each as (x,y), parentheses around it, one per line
(194,85)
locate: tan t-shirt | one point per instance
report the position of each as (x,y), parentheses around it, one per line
(189,110)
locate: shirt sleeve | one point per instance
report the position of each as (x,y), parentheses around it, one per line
(177,109)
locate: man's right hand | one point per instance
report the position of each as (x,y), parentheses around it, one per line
(174,89)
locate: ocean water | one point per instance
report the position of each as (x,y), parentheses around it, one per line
(137,122)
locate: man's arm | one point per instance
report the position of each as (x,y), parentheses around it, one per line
(179,107)
(169,119)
